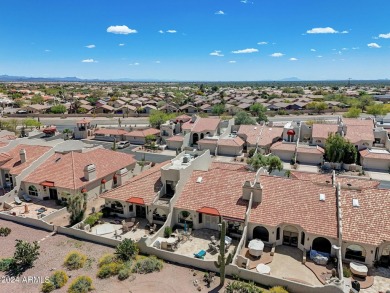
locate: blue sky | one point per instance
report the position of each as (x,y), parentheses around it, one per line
(213,40)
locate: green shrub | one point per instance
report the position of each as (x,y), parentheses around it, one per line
(106,259)
(75,260)
(59,279)
(148,265)
(242,287)
(93,218)
(167,232)
(109,270)
(82,284)
(346,272)
(5,231)
(126,250)
(124,273)
(48,287)
(5,264)
(278,289)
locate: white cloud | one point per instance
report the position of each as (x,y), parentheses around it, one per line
(220,12)
(355,48)
(322,30)
(293,59)
(216,53)
(158,62)
(245,51)
(89,61)
(47,50)
(384,36)
(161,31)
(90,46)
(319,56)
(121,30)
(262,43)
(313,50)
(344,49)
(373,45)
(134,64)
(232,61)
(171,31)
(344,32)
(121,45)
(277,55)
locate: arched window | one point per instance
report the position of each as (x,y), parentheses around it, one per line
(117,207)
(185,217)
(322,244)
(355,252)
(32,190)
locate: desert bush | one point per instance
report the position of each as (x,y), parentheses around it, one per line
(48,287)
(242,287)
(59,279)
(278,289)
(106,259)
(75,260)
(167,232)
(5,264)
(148,265)
(126,250)
(346,272)
(124,273)
(109,270)
(5,231)
(82,284)
(93,218)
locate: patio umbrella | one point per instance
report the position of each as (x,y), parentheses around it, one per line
(185,226)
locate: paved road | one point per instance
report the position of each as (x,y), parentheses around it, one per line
(302,118)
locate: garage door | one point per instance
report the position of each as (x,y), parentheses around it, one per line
(285,156)
(375,164)
(309,159)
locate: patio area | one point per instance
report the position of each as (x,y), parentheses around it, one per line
(199,240)
(381,280)
(35,209)
(265,257)
(112,228)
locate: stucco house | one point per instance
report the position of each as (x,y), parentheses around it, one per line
(320,132)
(90,171)
(139,136)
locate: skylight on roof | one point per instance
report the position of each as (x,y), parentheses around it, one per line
(199,180)
(355,202)
(322,197)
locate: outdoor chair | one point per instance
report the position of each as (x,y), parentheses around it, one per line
(201,254)
(213,248)
(213,240)
(17,200)
(26,198)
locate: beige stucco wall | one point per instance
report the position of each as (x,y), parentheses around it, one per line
(375,164)
(311,159)
(174,145)
(229,150)
(283,155)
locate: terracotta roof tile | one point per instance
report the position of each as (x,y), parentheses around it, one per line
(110,131)
(143,133)
(33,152)
(237,141)
(144,186)
(358,133)
(358,122)
(303,149)
(375,155)
(269,135)
(206,124)
(323,130)
(249,133)
(67,170)
(176,138)
(280,145)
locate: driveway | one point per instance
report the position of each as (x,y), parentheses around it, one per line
(380,176)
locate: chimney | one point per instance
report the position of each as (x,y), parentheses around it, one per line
(90,172)
(193,118)
(246,190)
(122,176)
(23,156)
(257,192)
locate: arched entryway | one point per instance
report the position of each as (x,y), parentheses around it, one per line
(355,252)
(322,244)
(290,236)
(195,138)
(385,257)
(261,233)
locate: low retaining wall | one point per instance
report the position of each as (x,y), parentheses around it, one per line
(87,236)
(27,221)
(291,286)
(54,215)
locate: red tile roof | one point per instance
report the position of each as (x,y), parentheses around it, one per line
(229,166)
(143,133)
(358,122)
(235,142)
(269,135)
(176,138)
(358,133)
(310,150)
(297,202)
(110,131)
(249,133)
(67,170)
(323,130)
(14,165)
(207,141)
(144,186)
(345,181)
(367,223)
(220,189)
(283,146)
(206,124)
(375,155)
(209,211)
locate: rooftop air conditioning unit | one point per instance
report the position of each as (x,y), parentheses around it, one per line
(322,197)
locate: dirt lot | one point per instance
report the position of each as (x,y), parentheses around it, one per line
(53,250)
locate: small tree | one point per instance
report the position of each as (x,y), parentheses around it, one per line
(222,260)
(243,118)
(270,162)
(218,109)
(24,256)
(77,204)
(338,149)
(126,250)
(150,138)
(352,113)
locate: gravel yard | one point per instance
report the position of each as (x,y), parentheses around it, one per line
(53,250)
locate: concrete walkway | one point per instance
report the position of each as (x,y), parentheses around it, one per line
(381,176)
(287,263)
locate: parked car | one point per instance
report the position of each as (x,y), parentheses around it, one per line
(21,112)
(123,144)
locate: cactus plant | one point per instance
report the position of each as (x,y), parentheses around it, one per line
(222,260)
